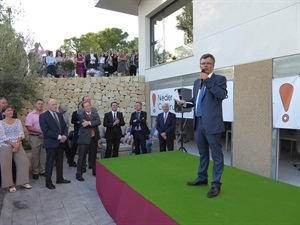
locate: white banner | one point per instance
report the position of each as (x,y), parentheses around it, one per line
(286,99)
(158,97)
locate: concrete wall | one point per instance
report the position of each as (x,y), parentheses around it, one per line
(103,90)
(252,128)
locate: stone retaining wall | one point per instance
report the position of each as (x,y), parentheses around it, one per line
(103,90)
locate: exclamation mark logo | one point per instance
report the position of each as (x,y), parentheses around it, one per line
(286,92)
(154,101)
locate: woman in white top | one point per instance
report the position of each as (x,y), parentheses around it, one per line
(11,135)
(101,63)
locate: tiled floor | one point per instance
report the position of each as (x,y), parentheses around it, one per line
(69,204)
(78,203)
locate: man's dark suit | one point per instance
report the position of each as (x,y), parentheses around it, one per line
(168,128)
(86,141)
(139,130)
(113,133)
(88,63)
(210,125)
(54,150)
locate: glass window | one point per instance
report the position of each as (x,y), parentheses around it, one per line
(172,33)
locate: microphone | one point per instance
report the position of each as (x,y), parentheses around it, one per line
(202,71)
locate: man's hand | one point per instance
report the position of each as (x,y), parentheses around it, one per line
(85,123)
(164,135)
(117,121)
(203,75)
(63,139)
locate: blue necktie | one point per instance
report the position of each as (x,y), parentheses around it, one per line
(198,108)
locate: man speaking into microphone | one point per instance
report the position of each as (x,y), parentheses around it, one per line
(208,93)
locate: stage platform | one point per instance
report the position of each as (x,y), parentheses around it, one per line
(151,189)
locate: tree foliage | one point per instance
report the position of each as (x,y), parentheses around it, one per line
(109,38)
(185,22)
(18,70)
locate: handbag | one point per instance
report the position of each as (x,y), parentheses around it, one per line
(71,135)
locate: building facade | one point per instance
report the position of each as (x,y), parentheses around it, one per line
(257,47)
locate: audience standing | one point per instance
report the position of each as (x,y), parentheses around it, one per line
(63,110)
(59,59)
(79,64)
(140,130)
(113,121)
(133,63)
(36,138)
(88,138)
(11,135)
(55,134)
(166,124)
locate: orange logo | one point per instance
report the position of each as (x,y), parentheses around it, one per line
(286,92)
(154,101)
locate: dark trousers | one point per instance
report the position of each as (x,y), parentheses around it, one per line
(73,147)
(139,140)
(164,143)
(205,142)
(112,145)
(51,69)
(57,155)
(67,151)
(132,70)
(83,150)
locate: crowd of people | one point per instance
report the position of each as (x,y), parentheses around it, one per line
(49,132)
(81,64)
(49,135)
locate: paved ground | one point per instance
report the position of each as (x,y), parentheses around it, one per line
(69,204)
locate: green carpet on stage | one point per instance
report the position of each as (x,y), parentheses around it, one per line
(245,198)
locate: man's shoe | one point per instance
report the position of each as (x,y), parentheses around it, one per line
(35,176)
(63,181)
(213,192)
(90,167)
(43,174)
(197,183)
(73,164)
(79,177)
(94,173)
(50,186)
(83,169)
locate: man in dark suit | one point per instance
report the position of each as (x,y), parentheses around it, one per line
(91,60)
(88,138)
(166,124)
(133,63)
(55,134)
(79,111)
(208,93)
(113,121)
(140,130)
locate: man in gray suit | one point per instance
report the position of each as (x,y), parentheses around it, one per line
(79,111)
(88,137)
(208,93)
